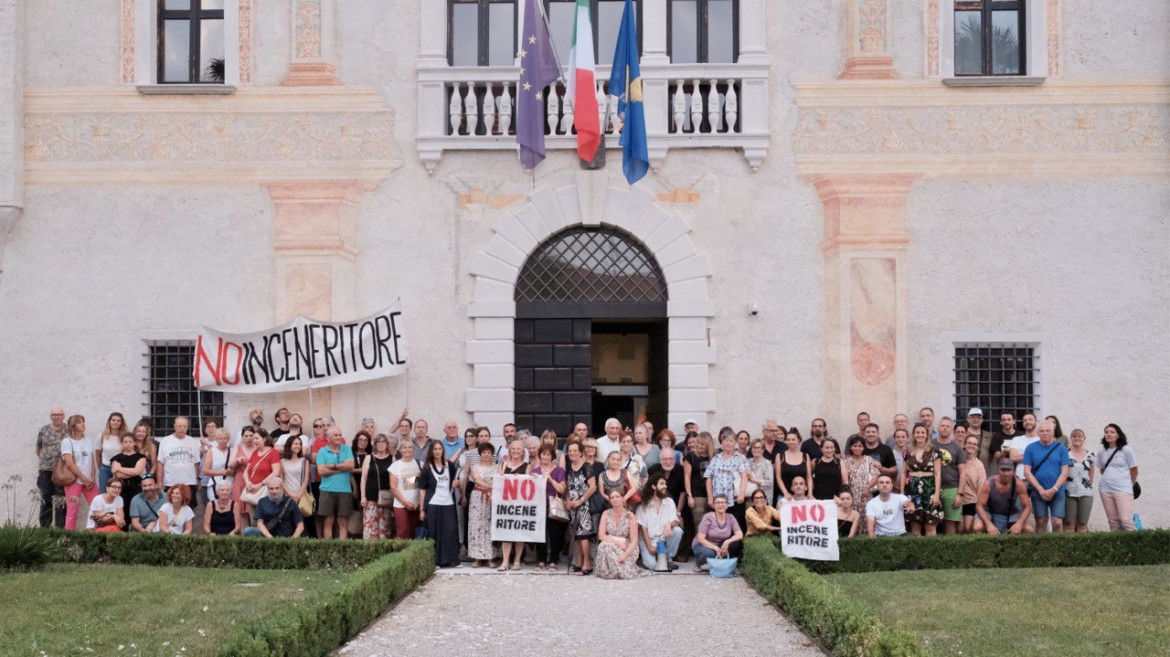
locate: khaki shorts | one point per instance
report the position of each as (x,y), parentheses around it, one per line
(331,504)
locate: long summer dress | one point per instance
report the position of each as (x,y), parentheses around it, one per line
(479,515)
(608,566)
(580,520)
(764,473)
(920,489)
(860,474)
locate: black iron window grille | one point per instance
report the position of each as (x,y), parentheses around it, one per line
(997,378)
(591,265)
(171,389)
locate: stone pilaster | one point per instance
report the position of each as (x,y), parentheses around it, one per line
(313,239)
(865,301)
(11,118)
(312,45)
(867,35)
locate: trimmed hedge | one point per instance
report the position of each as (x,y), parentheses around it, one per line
(218,551)
(324,621)
(844,626)
(864,555)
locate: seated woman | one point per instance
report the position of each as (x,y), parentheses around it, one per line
(617,541)
(175,516)
(848,519)
(219,516)
(761,518)
(718,535)
(107,511)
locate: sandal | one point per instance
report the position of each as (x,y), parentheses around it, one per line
(575,569)
(516,566)
(586,572)
(503,568)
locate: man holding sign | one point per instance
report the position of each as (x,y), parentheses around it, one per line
(808,530)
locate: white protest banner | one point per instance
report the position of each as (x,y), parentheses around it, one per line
(518,508)
(808,530)
(303,353)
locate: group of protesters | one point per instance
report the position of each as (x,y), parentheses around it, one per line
(624,502)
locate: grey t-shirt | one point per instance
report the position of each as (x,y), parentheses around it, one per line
(1115,478)
(952,456)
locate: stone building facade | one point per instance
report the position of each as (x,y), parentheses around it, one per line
(841,216)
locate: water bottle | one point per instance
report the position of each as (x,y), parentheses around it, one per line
(1137,522)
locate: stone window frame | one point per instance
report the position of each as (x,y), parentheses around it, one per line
(702,50)
(139,48)
(1039,343)
(1041,48)
(202,399)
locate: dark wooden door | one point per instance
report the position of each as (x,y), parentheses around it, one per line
(553,375)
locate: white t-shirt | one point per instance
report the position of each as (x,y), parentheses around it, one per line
(219,461)
(653,520)
(111,446)
(1020,444)
(408,472)
(83,453)
(605,446)
(176,521)
(99,505)
(179,458)
(888,518)
(442,496)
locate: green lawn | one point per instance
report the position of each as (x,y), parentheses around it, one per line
(1070,612)
(99,609)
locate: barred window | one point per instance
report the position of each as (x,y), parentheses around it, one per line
(171,388)
(591,265)
(997,378)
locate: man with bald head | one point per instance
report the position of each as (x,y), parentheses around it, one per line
(48,451)
(580,431)
(1045,470)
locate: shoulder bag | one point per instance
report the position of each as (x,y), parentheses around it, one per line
(1137,488)
(385,496)
(307,500)
(62,475)
(251,497)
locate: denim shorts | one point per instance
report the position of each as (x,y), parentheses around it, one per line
(1053,507)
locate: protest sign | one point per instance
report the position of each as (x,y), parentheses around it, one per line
(808,530)
(518,508)
(303,353)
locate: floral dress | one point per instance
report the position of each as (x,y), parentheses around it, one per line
(608,566)
(1079,482)
(921,489)
(580,520)
(479,515)
(860,474)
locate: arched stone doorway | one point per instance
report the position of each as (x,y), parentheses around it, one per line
(591,332)
(518,232)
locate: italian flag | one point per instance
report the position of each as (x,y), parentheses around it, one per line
(581,77)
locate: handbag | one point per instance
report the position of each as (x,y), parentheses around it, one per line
(62,475)
(556,509)
(354,524)
(253,497)
(385,497)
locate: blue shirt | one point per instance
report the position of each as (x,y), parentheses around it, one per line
(449,449)
(340,482)
(1049,471)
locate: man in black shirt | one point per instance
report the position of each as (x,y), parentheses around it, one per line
(1007,431)
(862,422)
(818,433)
(878,451)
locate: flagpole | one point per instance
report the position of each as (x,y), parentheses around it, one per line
(548,30)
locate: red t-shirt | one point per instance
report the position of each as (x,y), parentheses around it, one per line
(260,467)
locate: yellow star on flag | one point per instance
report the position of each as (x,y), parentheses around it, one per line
(522,53)
(532,39)
(527,86)
(539,96)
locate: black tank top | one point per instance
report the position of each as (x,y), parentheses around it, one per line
(223,522)
(378,478)
(826,479)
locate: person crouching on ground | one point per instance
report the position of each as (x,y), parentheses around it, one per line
(277,515)
(718,535)
(885,515)
(107,511)
(998,501)
(659,521)
(761,518)
(617,541)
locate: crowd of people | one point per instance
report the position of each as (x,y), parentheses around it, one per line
(619,504)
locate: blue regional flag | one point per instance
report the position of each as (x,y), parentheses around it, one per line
(625,82)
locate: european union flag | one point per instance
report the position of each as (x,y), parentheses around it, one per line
(538,69)
(625,82)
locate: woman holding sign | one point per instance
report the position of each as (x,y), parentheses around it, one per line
(439,479)
(617,546)
(513,465)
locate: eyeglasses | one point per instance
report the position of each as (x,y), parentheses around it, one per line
(318,426)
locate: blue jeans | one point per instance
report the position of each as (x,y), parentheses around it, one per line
(703,553)
(252,531)
(672,543)
(104,475)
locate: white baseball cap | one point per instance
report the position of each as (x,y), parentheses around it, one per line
(975,411)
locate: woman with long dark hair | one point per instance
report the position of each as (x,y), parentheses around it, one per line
(1119,473)
(439,480)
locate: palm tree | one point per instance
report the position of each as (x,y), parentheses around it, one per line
(1005,49)
(214,71)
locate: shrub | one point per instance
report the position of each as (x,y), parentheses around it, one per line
(24,548)
(844,626)
(217,551)
(863,555)
(323,622)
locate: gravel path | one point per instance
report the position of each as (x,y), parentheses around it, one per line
(471,612)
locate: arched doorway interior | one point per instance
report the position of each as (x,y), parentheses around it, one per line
(590,332)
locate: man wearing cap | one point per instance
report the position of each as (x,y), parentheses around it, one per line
(689,426)
(975,428)
(1004,506)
